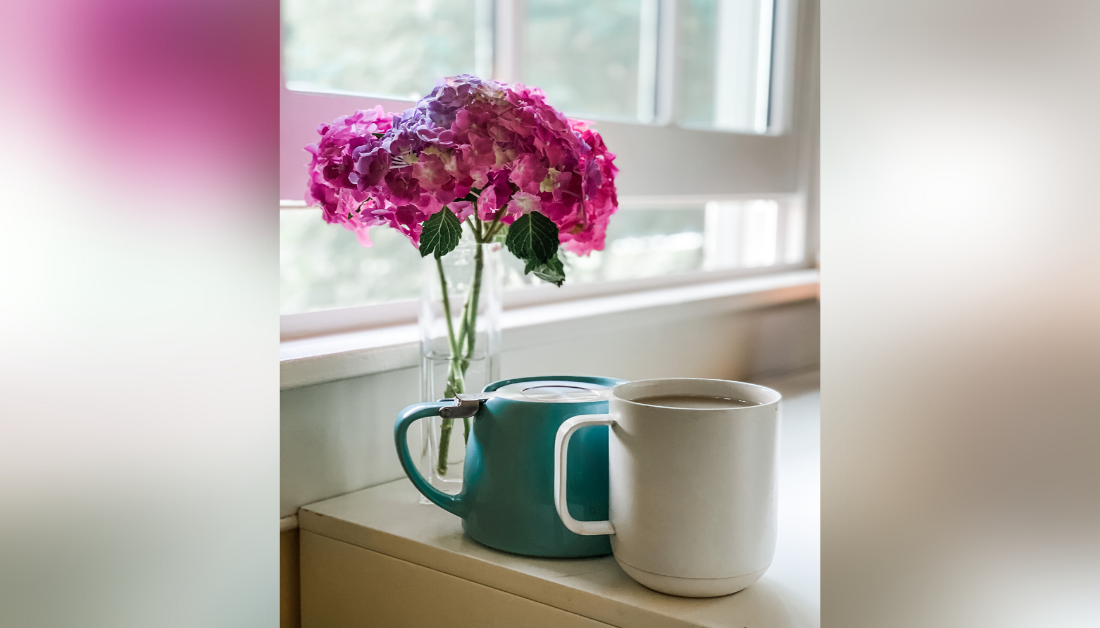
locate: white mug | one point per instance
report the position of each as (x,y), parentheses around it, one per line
(692,490)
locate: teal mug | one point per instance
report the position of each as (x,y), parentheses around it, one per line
(507,497)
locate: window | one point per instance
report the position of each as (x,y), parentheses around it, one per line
(382,47)
(596,59)
(725,60)
(324,267)
(694,96)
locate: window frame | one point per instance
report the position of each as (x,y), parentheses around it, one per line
(779,164)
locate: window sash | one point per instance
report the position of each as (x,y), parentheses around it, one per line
(363,317)
(763,164)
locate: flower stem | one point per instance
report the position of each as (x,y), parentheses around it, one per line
(495,226)
(463,343)
(471,298)
(446,305)
(455,382)
(472,304)
(478,227)
(470,323)
(444,446)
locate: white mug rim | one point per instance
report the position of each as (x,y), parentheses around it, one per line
(615,394)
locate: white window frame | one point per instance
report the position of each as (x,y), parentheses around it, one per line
(779,164)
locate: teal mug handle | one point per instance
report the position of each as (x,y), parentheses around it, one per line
(451,503)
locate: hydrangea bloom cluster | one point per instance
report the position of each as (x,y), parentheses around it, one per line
(502,142)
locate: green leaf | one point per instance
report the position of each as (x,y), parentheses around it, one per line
(552,271)
(533,237)
(440,234)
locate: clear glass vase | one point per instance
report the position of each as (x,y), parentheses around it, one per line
(460,306)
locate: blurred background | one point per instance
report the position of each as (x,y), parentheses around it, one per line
(138,313)
(960,300)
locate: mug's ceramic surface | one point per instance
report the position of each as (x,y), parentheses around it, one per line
(692,490)
(507,499)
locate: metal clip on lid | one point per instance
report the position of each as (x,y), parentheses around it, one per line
(465,406)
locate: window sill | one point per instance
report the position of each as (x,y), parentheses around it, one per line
(332,357)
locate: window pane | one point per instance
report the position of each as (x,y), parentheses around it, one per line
(744,234)
(585,55)
(795,235)
(725,64)
(323,266)
(640,243)
(383,47)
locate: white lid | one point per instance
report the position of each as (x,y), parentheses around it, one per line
(554,391)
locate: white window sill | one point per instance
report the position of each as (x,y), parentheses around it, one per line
(332,357)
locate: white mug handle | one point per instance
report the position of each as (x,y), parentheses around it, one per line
(561,456)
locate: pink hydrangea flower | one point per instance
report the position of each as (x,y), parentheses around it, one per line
(523,203)
(528,172)
(503,142)
(462,209)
